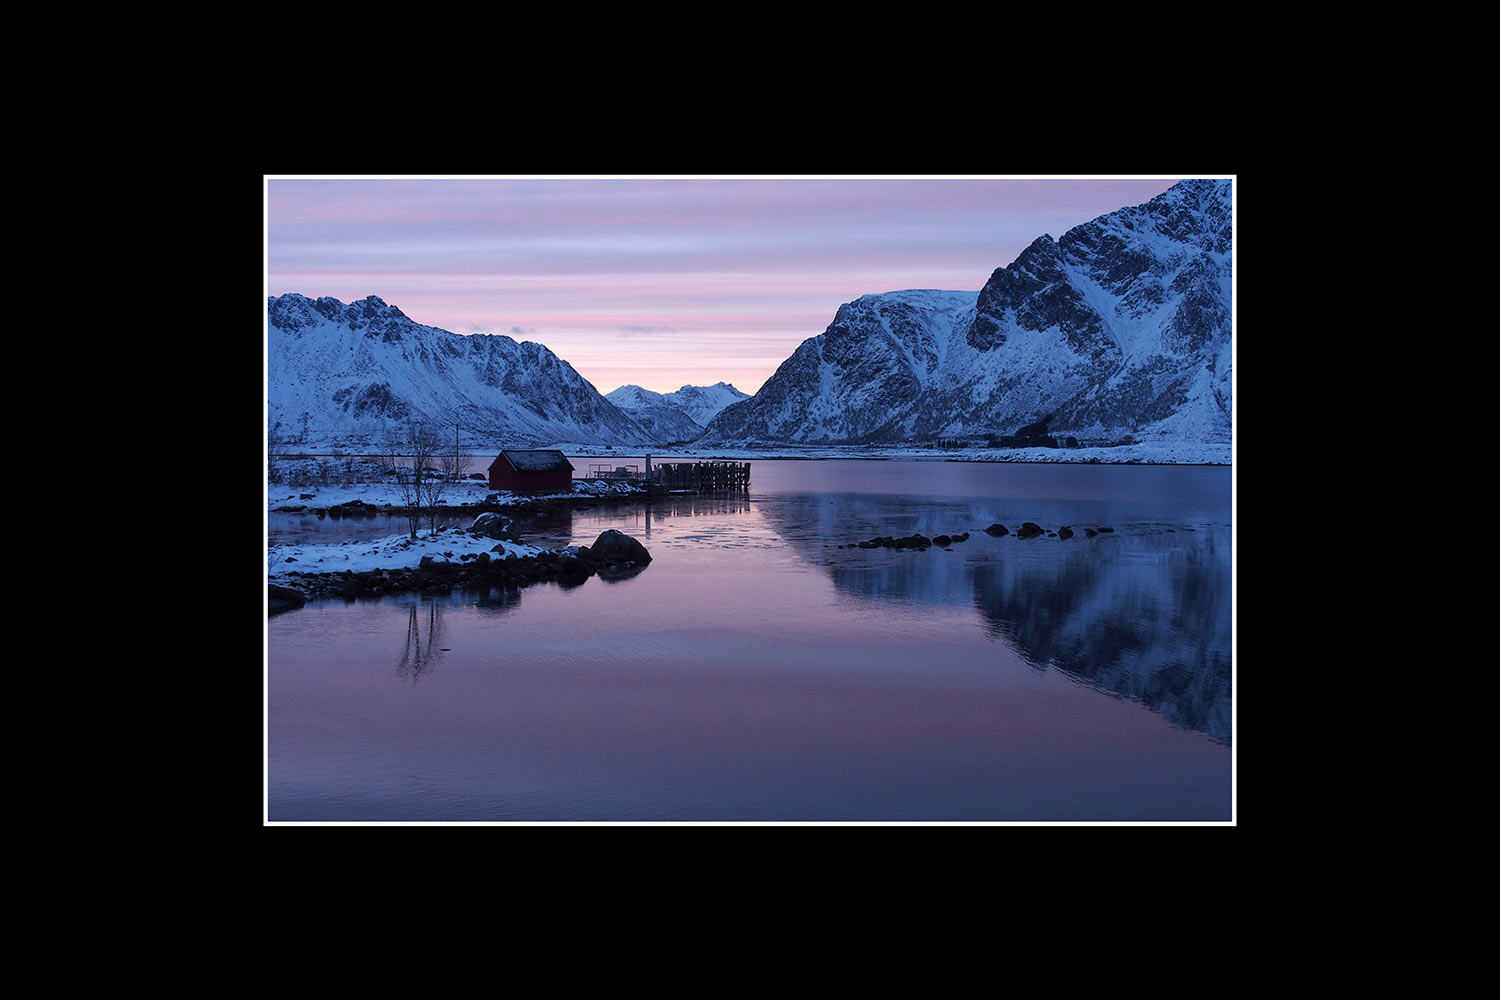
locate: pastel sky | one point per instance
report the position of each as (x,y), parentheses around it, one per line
(664,282)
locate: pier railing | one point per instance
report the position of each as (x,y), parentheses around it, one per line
(631,473)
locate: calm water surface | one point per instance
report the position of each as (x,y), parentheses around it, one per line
(756,671)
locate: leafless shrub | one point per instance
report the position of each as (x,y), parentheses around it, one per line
(410,452)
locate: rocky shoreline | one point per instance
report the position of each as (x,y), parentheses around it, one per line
(614,555)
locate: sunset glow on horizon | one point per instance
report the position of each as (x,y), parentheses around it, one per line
(659,283)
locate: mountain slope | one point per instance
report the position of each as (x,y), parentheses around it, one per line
(348,373)
(1120,327)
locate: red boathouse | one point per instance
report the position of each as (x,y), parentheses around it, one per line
(531,470)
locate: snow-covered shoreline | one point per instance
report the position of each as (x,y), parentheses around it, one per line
(367,493)
(1141,453)
(394,552)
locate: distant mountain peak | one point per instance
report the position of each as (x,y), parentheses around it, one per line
(676,416)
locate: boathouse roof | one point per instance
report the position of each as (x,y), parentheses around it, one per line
(536,460)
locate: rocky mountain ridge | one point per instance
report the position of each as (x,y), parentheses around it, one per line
(1121,328)
(348,373)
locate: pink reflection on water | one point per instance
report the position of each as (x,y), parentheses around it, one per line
(750,673)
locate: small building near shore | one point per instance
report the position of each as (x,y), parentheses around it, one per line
(545,469)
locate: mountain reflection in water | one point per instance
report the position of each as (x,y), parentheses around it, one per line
(1143,612)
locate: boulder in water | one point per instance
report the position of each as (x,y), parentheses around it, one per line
(617,547)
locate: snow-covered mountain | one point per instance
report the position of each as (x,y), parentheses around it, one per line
(675,416)
(1120,327)
(703,402)
(347,373)
(663,421)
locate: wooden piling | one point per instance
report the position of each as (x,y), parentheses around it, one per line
(699,477)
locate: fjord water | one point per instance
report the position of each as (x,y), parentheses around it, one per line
(756,671)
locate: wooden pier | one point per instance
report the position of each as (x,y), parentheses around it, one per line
(697,477)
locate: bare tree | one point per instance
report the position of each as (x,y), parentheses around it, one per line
(453,461)
(431,480)
(411,452)
(406,479)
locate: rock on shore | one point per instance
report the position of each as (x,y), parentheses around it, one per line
(283,599)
